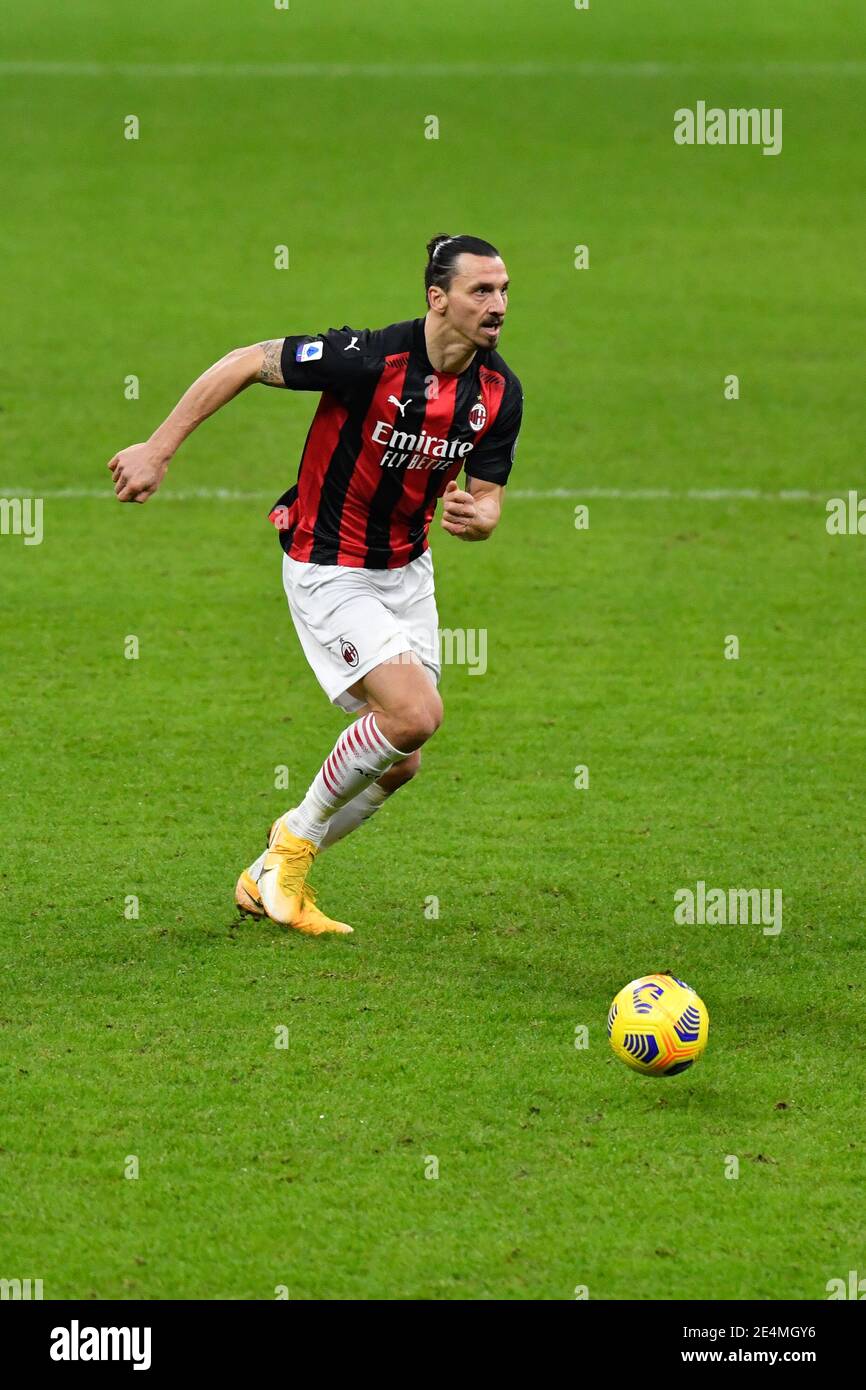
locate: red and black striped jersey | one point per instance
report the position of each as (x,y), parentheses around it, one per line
(388,434)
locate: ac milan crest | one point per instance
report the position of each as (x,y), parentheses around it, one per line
(478,416)
(349,652)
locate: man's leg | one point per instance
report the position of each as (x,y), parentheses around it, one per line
(401,703)
(372,798)
(355,813)
(388,698)
(341,824)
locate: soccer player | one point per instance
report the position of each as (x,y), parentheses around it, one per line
(402,411)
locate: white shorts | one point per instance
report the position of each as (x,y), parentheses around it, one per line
(350,619)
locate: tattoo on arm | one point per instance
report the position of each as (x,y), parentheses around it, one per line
(271,372)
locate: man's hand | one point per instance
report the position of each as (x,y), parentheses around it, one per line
(472,515)
(458,510)
(138,472)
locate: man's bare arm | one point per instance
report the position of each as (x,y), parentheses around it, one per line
(139,470)
(271,370)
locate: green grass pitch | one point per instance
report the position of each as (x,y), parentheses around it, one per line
(451,1037)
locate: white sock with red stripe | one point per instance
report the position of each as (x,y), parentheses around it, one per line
(358,758)
(350,816)
(342,822)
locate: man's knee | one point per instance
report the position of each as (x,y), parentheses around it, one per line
(406,703)
(417,721)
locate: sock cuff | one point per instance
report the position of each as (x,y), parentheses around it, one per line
(370,721)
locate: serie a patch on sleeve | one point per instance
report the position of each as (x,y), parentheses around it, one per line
(308,352)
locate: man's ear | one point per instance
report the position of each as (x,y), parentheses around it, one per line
(437,299)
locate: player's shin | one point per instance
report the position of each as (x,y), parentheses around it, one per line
(359,758)
(353,814)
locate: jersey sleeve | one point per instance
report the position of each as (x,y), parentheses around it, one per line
(491,462)
(340,357)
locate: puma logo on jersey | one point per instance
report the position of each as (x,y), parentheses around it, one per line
(352,346)
(401,405)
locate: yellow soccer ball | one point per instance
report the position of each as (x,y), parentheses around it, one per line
(658,1025)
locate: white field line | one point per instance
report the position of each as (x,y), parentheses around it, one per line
(556,494)
(37,67)
(666,494)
